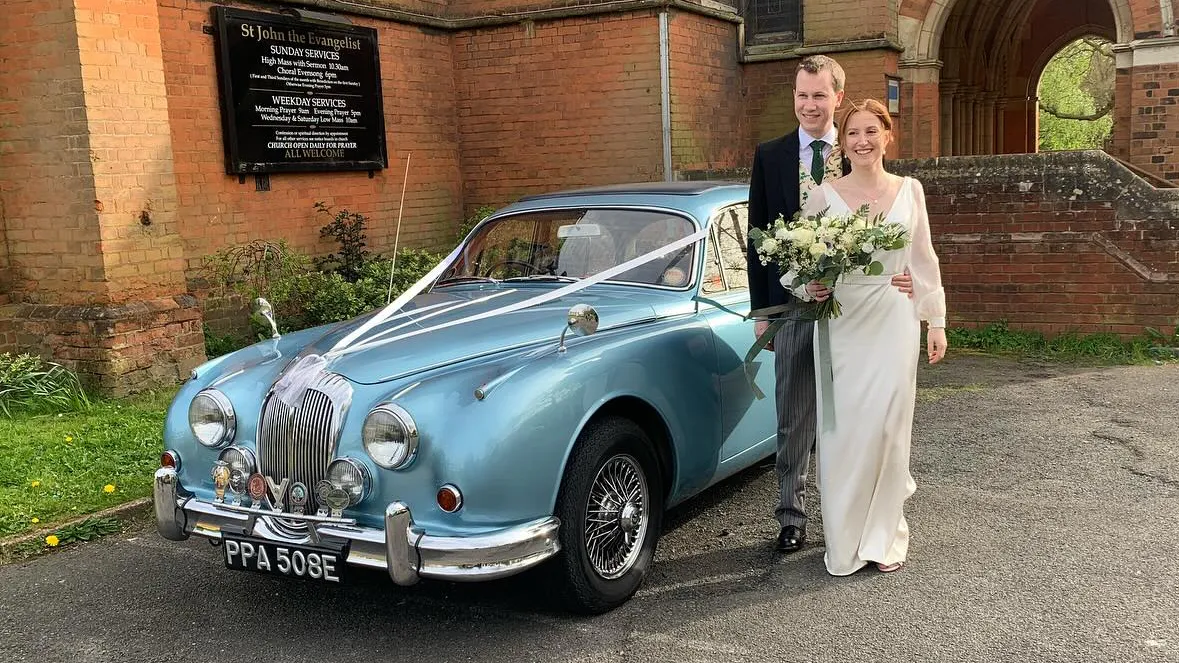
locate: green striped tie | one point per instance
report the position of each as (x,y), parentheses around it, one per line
(817,166)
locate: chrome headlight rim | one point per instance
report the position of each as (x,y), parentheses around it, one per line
(228,417)
(409,427)
(247,454)
(366,480)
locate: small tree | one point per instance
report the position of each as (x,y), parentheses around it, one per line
(1077,96)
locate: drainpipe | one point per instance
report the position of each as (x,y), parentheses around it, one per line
(665,90)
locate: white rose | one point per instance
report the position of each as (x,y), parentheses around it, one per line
(802,236)
(770,245)
(782,234)
(818,249)
(867,247)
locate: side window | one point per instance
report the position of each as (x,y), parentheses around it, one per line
(724,262)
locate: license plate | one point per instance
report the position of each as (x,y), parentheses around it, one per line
(314,562)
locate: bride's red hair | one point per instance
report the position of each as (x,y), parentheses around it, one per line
(865,106)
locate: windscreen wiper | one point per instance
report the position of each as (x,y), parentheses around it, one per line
(541,278)
(465,279)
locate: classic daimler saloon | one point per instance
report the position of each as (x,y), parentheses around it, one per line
(573,369)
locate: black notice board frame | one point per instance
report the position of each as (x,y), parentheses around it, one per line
(240,158)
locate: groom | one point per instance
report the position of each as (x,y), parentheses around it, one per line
(785,171)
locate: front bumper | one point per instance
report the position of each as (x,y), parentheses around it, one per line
(402,548)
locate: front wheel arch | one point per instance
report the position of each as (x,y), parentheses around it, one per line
(653,424)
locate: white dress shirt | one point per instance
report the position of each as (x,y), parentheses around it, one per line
(804,145)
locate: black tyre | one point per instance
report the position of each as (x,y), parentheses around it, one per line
(611,511)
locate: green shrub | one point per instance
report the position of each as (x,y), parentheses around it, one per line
(32,385)
(470,222)
(348,230)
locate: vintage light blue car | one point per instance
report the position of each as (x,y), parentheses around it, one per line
(572,370)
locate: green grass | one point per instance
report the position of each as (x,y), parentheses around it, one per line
(54,467)
(997,338)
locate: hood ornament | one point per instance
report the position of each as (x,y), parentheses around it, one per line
(262,314)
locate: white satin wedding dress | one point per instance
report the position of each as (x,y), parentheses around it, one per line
(863,451)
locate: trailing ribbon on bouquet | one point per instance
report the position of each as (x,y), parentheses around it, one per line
(824,370)
(825,375)
(350,343)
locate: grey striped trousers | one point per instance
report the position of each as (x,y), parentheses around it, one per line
(794,369)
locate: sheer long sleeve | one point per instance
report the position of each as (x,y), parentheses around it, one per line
(924,267)
(816,202)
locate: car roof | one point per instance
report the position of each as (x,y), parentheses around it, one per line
(694,188)
(697,198)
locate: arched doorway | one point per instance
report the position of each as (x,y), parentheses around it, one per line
(993,52)
(973,65)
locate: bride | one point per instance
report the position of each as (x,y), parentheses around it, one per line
(863,449)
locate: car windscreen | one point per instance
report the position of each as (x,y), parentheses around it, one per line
(576,244)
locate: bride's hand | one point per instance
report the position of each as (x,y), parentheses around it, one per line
(818,291)
(936,344)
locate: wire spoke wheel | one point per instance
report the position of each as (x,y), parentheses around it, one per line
(616,519)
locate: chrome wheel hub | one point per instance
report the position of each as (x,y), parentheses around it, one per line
(616,517)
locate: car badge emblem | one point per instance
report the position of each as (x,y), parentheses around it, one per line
(220,479)
(337,499)
(298,498)
(278,491)
(322,488)
(257,487)
(237,486)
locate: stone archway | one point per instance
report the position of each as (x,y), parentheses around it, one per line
(970,64)
(989,55)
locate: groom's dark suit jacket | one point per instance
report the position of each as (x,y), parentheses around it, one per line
(773,190)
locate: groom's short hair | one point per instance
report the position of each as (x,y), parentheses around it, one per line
(815,63)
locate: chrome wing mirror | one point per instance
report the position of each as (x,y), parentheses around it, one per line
(582,319)
(263,315)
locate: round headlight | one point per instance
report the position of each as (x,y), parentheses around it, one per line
(351,476)
(239,459)
(390,436)
(211,418)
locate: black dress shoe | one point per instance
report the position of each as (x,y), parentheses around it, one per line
(791,538)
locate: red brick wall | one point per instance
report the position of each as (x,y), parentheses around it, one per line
(1056,242)
(1148,17)
(46,194)
(919,121)
(131,146)
(1154,120)
(707,114)
(477,8)
(419,105)
(558,104)
(829,22)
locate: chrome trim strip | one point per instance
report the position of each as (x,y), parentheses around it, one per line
(540,347)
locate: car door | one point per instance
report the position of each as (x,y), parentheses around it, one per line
(748,424)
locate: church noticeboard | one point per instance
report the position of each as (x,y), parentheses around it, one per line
(298,95)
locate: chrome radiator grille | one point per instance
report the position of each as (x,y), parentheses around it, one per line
(298,442)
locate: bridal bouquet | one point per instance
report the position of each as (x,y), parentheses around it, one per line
(822,247)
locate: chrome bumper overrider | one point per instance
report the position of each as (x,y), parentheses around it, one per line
(402,548)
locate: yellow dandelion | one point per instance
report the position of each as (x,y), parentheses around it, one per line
(109,488)
(35,520)
(52,540)
(35,484)
(69,438)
